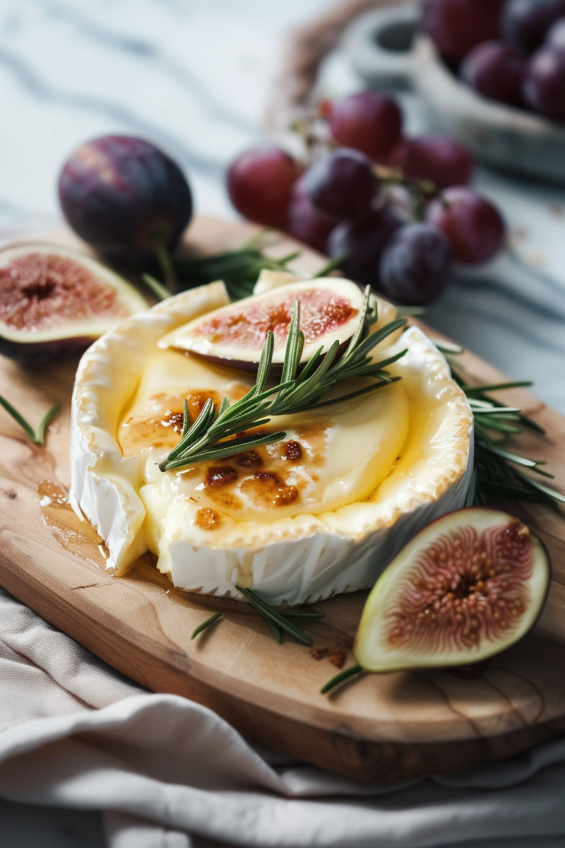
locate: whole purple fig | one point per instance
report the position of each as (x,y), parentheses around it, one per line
(125,197)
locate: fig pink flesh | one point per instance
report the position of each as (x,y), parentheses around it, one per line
(321,312)
(41,290)
(465,588)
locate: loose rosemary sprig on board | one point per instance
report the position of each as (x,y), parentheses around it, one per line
(210,436)
(498,471)
(36,436)
(277,620)
(242,289)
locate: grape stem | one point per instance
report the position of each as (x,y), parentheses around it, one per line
(420,190)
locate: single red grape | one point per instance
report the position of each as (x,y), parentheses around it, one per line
(473,225)
(260,183)
(440,159)
(544,83)
(366,121)
(304,222)
(456,26)
(415,265)
(496,71)
(524,23)
(362,242)
(341,184)
(555,38)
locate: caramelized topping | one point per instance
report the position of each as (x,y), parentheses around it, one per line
(292,451)
(267,489)
(160,423)
(249,459)
(207,519)
(220,475)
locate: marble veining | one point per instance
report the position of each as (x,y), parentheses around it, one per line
(195,77)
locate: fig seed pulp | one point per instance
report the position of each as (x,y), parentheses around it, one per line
(466,587)
(234,335)
(55,301)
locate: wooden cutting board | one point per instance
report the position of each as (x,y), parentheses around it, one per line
(382,728)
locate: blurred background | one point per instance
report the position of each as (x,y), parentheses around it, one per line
(197,78)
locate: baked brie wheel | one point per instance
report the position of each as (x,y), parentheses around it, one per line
(321,512)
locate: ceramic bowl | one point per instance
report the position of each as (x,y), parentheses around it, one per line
(387,51)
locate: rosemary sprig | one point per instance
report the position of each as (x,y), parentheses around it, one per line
(239,269)
(276,619)
(211,435)
(36,436)
(498,471)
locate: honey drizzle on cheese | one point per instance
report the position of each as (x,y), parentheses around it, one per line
(331,457)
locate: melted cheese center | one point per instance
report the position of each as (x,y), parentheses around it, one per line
(330,457)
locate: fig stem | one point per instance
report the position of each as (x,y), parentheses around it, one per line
(38,438)
(412,312)
(206,624)
(155,287)
(342,677)
(167,267)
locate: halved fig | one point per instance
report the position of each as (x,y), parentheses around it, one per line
(466,587)
(54,301)
(235,334)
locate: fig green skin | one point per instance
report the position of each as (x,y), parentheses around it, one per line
(452,661)
(124,196)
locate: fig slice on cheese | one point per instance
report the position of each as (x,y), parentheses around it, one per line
(235,335)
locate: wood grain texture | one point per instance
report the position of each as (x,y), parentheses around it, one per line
(382,728)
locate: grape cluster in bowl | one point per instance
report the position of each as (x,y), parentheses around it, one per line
(511,51)
(397,211)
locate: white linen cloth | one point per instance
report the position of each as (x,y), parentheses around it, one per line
(168,773)
(193,77)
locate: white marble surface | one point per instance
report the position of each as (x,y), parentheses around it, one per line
(193,76)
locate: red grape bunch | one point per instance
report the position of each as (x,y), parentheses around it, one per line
(340,202)
(512,51)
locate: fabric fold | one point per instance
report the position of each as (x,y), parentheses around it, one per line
(169,773)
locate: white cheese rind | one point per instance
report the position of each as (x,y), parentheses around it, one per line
(104,485)
(301,559)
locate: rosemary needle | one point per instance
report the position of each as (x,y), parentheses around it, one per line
(37,437)
(342,677)
(206,624)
